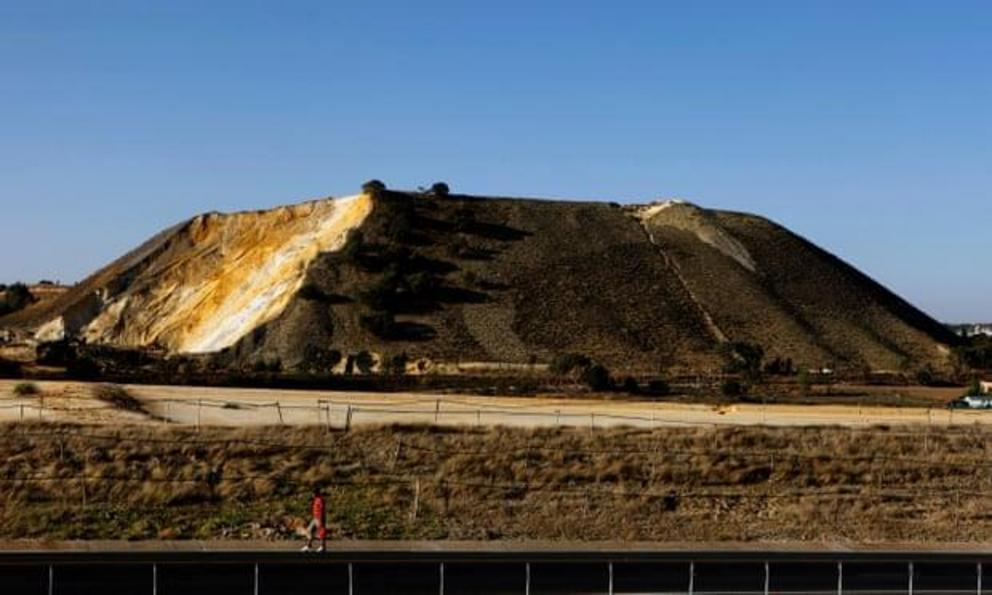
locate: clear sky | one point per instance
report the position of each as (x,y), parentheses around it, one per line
(864,125)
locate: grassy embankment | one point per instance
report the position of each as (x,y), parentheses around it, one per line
(728,484)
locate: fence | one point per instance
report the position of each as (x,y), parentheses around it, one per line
(475,411)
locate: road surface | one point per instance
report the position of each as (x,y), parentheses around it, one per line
(71,401)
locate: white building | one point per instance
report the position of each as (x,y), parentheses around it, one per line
(986,387)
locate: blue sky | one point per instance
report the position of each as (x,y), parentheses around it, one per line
(865,126)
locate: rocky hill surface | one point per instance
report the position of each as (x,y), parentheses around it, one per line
(428,279)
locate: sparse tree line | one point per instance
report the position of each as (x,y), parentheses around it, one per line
(15,297)
(598,377)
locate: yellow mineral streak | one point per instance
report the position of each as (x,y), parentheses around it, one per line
(237,272)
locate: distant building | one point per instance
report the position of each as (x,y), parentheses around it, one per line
(986,387)
(973,329)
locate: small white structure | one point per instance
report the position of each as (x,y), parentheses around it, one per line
(985,387)
(977,402)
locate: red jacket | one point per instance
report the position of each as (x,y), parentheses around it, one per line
(317,509)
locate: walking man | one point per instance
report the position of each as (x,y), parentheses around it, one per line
(318,522)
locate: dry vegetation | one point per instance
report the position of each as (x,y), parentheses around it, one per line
(728,484)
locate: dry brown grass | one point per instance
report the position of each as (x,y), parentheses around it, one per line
(729,484)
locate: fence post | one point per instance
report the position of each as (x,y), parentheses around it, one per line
(437,409)
(327,409)
(199,410)
(557,417)
(416,498)
(478,417)
(279,411)
(396,454)
(592,421)
(347,419)
(22,411)
(41,407)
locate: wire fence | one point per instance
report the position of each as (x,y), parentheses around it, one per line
(344,413)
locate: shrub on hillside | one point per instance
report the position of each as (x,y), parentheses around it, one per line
(597,377)
(731,388)
(364,362)
(16,297)
(373,187)
(659,387)
(397,364)
(440,189)
(744,358)
(631,386)
(26,389)
(564,363)
(780,367)
(318,359)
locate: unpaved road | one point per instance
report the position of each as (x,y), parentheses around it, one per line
(71,401)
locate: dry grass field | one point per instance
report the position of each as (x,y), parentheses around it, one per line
(418,482)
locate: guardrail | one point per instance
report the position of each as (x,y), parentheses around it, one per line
(498,571)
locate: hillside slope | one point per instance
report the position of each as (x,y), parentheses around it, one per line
(463,279)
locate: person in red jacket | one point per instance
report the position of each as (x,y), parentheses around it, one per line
(318,522)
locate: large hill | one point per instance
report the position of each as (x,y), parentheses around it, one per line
(455,278)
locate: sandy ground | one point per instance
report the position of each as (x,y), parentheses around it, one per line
(71,401)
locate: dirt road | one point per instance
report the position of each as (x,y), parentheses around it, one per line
(72,401)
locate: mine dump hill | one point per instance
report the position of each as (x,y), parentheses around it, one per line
(418,278)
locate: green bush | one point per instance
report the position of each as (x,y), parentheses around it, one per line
(26,389)
(397,364)
(925,376)
(597,377)
(744,358)
(659,387)
(631,386)
(731,388)
(318,359)
(440,189)
(364,362)
(564,363)
(16,297)
(373,187)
